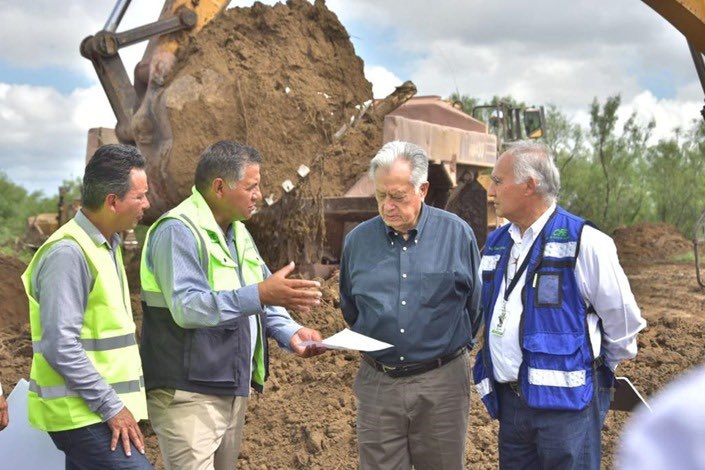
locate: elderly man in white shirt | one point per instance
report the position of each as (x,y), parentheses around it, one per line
(559,316)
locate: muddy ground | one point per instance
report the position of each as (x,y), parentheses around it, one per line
(306,418)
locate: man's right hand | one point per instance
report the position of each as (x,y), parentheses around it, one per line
(125,429)
(293,294)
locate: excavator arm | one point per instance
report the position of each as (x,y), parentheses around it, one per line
(688,17)
(178,19)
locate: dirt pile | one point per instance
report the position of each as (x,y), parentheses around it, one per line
(283,79)
(13,301)
(649,242)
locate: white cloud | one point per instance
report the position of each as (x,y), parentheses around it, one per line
(668,114)
(383,81)
(43,134)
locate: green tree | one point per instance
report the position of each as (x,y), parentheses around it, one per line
(677,176)
(16,204)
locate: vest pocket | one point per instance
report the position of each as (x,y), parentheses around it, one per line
(210,356)
(554,372)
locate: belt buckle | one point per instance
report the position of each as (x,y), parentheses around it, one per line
(514,386)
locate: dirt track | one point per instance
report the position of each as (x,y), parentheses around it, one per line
(306,418)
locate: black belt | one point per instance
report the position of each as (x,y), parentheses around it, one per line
(413,369)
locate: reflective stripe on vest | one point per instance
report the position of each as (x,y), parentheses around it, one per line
(59,391)
(107,337)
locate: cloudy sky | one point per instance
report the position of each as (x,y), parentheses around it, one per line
(557,52)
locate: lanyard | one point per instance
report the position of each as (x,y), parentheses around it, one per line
(517,275)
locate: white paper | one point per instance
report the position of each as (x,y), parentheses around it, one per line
(21,445)
(348,339)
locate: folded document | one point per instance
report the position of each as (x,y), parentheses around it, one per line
(348,339)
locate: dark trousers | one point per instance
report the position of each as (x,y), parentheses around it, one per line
(555,440)
(88,448)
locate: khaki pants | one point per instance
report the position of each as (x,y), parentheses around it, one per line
(197,431)
(419,420)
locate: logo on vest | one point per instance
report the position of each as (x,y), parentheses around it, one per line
(559,234)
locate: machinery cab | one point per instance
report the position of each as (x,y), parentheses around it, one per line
(511,123)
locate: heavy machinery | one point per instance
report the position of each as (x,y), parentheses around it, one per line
(148,114)
(156,113)
(511,123)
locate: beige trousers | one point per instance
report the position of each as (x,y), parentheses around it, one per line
(197,431)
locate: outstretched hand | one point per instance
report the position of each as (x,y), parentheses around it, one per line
(293,294)
(306,334)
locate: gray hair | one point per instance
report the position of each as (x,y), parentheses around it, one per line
(226,159)
(533,160)
(109,172)
(398,150)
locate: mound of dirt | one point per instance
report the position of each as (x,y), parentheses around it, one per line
(281,78)
(650,242)
(13,300)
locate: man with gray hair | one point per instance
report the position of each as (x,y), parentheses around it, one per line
(559,316)
(209,304)
(409,277)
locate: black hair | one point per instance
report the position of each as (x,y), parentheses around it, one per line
(108,172)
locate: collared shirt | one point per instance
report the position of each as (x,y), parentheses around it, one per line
(61,283)
(173,257)
(602,284)
(421,294)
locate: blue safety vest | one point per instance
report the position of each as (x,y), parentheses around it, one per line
(557,370)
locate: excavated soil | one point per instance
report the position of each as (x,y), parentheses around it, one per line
(283,79)
(306,418)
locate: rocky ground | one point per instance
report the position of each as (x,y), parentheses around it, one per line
(306,418)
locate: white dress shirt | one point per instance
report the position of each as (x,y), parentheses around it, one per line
(602,284)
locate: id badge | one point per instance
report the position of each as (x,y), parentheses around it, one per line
(498,329)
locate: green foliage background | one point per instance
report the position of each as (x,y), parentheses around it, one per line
(617,175)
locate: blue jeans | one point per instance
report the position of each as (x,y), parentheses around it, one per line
(88,448)
(547,439)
